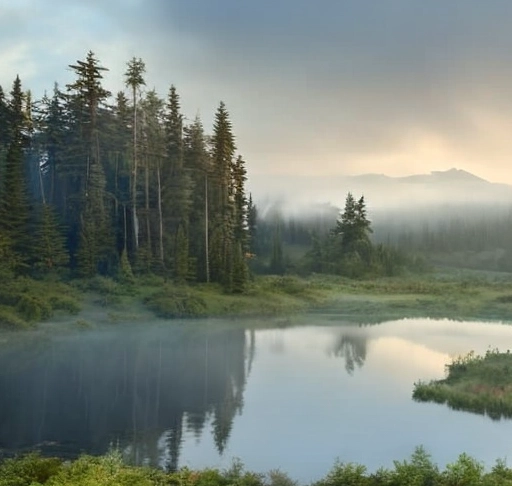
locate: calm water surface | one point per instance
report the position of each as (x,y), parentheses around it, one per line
(298,398)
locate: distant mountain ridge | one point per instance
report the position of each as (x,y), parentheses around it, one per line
(451,175)
(453,186)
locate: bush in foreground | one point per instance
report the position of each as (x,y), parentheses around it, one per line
(109,470)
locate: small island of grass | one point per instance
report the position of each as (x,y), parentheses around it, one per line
(478,384)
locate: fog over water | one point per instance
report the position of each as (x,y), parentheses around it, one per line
(296,398)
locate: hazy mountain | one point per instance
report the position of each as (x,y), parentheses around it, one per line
(440,188)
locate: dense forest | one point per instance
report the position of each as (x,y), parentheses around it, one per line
(115,185)
(96,184)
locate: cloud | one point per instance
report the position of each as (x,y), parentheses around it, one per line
(337,86)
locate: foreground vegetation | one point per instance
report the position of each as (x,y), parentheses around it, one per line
(109,470)
(479,384)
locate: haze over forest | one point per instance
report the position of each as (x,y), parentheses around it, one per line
(326,89)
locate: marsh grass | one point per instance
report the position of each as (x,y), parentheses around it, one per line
(456,295)
(479,384)
(462,295)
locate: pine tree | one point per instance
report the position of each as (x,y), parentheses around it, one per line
(49,243)
(151,152)
(222,200)
(4,135)
(14,206)
(134,79)
(353,226)
(119,169)
(94,217)
(252,226)
(196,159)
(177,179)
(51,139)
(240,202)
(350,248)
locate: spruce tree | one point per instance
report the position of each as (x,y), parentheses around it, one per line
(95,224)
(177,180)
(197,161)
(151,152)
(4,135)
(14,205)
(252,226)
(222,200)
(134,79)
(49,244)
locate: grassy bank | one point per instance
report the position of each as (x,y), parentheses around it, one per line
(479,384)
(444,294)
(110,470)
(24,302)
(457,295)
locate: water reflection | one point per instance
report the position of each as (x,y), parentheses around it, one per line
(82,393)
(352,348)
(294,399)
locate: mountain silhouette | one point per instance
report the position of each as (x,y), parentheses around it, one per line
(453,187)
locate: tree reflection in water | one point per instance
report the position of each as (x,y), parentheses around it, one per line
(351,347)
(139,390)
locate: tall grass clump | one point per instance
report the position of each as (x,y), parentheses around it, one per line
(478,384)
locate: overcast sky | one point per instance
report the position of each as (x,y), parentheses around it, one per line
(313,87)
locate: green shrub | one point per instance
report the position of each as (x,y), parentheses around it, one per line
(33,308)
(10,320)
(345,474)
(107,470)
(29,470)
(173,302)
(279,478)
(465,470)
(65,303)
(419,471)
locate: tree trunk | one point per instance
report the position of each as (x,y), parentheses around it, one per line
(134,174)
(206,242)
(146,206)
(160,217)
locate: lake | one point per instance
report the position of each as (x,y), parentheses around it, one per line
(187,393)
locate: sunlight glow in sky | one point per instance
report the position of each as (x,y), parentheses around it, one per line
(328,87)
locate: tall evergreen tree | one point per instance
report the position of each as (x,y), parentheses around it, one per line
(151,152)
(177,182)
(14,205)
(95,243)
(197,161)
(222,200)
(252,225)
(134,79)
(49,244)
(353,227)
(4,135)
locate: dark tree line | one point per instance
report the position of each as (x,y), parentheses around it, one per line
(348,250)
(117,185)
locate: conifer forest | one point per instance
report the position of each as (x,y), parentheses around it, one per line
(115,184)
